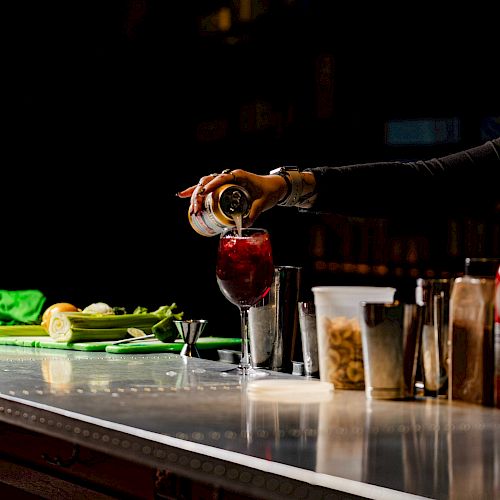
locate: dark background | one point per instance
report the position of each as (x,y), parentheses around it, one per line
(110,108)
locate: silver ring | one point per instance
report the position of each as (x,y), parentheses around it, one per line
(228,171)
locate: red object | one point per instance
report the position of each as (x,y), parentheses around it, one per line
(497,340)
(497,298)
(245,268)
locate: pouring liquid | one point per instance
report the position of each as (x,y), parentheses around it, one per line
(238,222)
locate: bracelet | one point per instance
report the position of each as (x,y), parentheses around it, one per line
(294,183)
(308,197)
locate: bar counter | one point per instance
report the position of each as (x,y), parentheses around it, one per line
(193,417)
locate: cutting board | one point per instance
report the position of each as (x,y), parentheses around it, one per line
(157,346)
(132,348)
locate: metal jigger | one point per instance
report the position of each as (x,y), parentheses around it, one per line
(190,330)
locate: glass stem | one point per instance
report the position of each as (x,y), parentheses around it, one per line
(245,355)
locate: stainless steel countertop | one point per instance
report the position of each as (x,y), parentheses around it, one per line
(190,415)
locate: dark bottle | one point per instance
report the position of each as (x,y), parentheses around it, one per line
(472,333)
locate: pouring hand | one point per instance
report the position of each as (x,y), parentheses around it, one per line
(265,190)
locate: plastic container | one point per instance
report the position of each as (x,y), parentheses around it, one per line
(340,350)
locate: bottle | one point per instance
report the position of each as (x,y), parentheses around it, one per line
(472,333)
(485,269)
(223,208)
(469,374)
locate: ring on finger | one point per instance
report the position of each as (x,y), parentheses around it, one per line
(228,171)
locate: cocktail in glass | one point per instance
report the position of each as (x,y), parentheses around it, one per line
(244,272)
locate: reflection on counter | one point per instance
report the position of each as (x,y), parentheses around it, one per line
(270,427)
(340,440)
(484,456)
(57,373)
(62,373)
(433,447)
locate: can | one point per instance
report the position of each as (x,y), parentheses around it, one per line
(220,207)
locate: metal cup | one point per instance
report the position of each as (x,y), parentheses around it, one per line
(382,338)
(190,331)
(273,322)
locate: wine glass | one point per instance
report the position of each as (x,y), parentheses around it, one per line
(244,274)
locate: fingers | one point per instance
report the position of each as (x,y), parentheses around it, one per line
(255,210)
(186,193)
(206,185)
(198,194)
(225,177)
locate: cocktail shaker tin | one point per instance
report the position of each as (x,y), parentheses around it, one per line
(220,207)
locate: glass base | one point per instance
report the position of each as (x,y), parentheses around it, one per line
(385,393)
(246,373)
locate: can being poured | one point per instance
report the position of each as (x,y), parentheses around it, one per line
(221,209)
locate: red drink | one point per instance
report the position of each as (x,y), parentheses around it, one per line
(245,266)
(496,340)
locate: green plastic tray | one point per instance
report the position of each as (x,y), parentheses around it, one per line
(133,348)
(144,347)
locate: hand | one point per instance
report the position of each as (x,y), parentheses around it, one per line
(265,191)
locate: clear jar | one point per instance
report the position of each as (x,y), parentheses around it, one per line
(434,296)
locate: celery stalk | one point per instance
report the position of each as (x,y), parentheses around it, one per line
(83,320)
(81,327)
(99,334)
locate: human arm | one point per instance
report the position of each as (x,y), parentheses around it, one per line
(266,191)
(464,182)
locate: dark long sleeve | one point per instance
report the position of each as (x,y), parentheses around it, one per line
(467,182)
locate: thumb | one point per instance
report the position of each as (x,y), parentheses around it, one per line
(255,210)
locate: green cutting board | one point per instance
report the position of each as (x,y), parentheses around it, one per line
(132,348)
(22,341)
(52,344)
(157,346)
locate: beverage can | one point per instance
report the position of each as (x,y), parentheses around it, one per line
(220,209)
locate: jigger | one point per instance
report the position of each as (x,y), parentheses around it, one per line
(190,330)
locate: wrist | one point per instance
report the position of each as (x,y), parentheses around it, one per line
(301,187)
(294,184)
